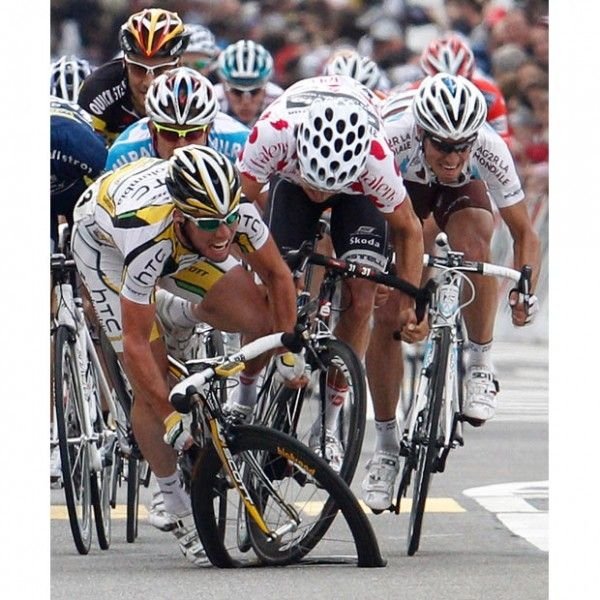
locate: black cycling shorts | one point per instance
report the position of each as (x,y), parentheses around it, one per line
(358,227)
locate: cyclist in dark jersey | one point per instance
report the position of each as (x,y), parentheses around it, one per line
(77,157)
(152,42)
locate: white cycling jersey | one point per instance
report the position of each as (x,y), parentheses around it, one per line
(124,226)
(271,145)
(490,160)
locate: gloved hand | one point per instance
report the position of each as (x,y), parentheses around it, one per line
(524,308)
(177,432)
(292,368)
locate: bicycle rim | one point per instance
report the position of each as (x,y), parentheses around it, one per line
(74,451)
(272,462)
(426,444)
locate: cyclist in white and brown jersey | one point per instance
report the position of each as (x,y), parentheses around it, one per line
(454,165)
(172,223)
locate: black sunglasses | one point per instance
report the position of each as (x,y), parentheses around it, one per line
(450,147)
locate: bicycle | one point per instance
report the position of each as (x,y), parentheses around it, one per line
(131,466)
(329,360)
(433,425)
(256,488)
(86,443)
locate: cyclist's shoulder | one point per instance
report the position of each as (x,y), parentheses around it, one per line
(225,124)
(108,83)
(136,186)
(133,143)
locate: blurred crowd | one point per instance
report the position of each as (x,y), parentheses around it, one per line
(508,37)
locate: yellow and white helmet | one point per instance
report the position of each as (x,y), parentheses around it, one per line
(202,181)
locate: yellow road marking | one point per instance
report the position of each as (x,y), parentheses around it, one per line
(58,511)
(432,505)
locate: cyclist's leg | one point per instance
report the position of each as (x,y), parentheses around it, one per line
(101,275)
(385,371)
(469,225)
(359,233)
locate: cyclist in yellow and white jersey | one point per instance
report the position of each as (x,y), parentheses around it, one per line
(172,223)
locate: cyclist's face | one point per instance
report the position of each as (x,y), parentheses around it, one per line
(316,195)
(447,166)
(140,74)
(196,60)
(214,245)
(245,105)
(165,141)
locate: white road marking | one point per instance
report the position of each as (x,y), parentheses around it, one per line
(508,501)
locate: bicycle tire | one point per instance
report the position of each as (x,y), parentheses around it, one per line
(295,411)
(74,454)
(101,481)
(308,477)
(428,432)
(137,471)
(133,498)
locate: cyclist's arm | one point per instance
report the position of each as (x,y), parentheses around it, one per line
(526,244)
(407,234)
(146,375)
(275,274)
(254,191)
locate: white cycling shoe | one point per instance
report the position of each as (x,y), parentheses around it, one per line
(378,485)
(157,515)
(480,401)
(189,541)
(334,453)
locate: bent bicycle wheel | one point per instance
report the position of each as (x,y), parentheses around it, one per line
(74,451)
(425,443)
(295,492)
(301,412)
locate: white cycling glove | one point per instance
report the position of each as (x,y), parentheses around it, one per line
(532,305)
(290,366)
(178,434)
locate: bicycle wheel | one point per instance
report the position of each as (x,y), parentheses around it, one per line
(133,467)
(74,451)
(425,442)
(297,412)
(278,473)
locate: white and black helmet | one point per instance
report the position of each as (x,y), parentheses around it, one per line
(66,76)
(202,40)
(351,63)
(333,142)
(201,180)
(181,96)
(449,106)
(397,103)
(245,65)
